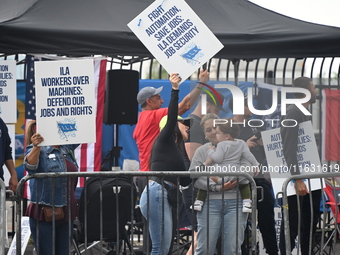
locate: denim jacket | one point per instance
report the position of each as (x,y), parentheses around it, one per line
(51,160)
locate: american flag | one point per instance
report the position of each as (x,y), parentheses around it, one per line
(88,155)
(30,90)
(29,104)
(330,125)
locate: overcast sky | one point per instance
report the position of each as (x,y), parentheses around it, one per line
(324,12)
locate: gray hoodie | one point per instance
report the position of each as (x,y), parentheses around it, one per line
(201,154)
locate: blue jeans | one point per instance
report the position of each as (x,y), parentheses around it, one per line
(231,225)
(157,221)
(46,237)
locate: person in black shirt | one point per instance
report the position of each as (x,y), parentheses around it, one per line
(6,156)
(166,155)
(309,205)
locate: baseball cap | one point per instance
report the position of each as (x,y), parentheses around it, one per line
(217,104)
(185,121)
(146,93)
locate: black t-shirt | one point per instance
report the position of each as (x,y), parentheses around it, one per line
(166,155)
(196,134)
(289,137)
(5,148)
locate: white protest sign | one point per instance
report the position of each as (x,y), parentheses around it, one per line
(8,91)
(175,36)
(65,101)
(25,236)
(307,155)
(11,132)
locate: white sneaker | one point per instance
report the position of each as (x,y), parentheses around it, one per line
(198,205)
(246,208)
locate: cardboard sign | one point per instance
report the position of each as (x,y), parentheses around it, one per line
(25,236)
(175,36)
(65,101)
(8,91)
(307,155)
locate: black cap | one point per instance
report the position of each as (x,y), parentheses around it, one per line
(186,121)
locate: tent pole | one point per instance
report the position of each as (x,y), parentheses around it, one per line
(236,63)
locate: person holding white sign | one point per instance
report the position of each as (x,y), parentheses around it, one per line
(6,156)
(156,203)
(147,127)
(152,112)
(289,134)
(50,194)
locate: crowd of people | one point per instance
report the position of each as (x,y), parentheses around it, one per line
(218,207)
(221,205)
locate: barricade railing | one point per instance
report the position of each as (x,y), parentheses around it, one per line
(106,174)
(285,210)
(2,217)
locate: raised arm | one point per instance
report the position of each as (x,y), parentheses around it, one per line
(171,123)
(192,97)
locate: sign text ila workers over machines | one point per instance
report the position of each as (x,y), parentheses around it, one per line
(307,156)
(65,101)
(175,36)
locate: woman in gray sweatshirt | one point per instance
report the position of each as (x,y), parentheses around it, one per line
(210,229)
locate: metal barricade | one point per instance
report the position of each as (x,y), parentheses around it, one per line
(331,240)
(131,223)
(2,217)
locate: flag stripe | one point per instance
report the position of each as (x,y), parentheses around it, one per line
(29,106)
(100,112)
(89,159)
(323,134)
(331,125)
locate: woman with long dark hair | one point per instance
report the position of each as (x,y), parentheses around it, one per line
(166,156)
(50,194)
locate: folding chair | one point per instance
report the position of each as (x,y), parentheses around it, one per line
(328,228)
(105,208)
